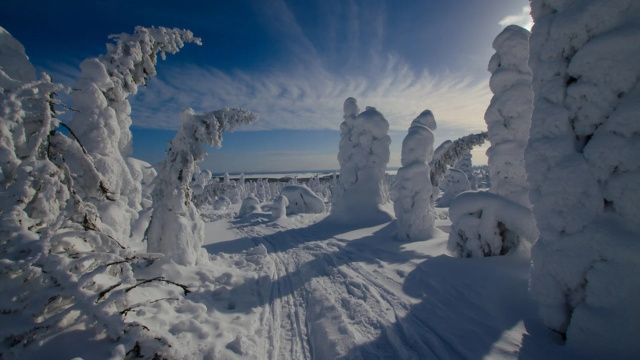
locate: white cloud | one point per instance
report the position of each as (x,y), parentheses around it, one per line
(313,99)
(523,19)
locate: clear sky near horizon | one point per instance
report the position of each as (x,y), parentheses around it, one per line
(291,62)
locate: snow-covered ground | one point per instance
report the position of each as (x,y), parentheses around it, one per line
(304,288)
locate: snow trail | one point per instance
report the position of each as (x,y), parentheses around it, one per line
(324,304)
(330,291)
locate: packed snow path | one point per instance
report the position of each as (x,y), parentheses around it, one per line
(337,292)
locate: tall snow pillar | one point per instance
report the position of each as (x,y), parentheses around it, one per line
(509,114)
(363,157)
(583,167)
(411,191)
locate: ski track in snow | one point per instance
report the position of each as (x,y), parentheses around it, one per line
(323,304)
(327,291)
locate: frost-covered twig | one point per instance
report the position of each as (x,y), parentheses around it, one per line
(159,278)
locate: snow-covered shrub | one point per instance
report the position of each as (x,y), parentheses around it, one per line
(583,167)
(302,200)
(509,114)
(485,224)
(411,189)
(363,156)
(176,229)
(454,183)
(465,165)
(221,203)
(102,119)
(279,207)
(249,205)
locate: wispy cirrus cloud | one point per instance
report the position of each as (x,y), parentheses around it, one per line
(312,99)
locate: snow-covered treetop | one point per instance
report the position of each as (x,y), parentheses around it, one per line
(417,146)
(206,129)
(13,59)
(512,50)
(350,108)
(442,159)
(425,119)
(108,80)
(133,57)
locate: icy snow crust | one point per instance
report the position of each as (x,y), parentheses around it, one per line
(583,167)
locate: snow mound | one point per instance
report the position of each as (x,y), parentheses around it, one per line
(302,200)
(221,203)
(250,205)
(485,224)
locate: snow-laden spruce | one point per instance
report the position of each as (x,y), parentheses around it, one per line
(465,164)
(176,229)
(411,190)
(448,153)
(583,167)
(14,62)
(363,156)
(490,225)
(279,207)
(58,268)
(509,114)
(102,119)
(454,183)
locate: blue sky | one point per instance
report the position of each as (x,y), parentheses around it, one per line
(292,62)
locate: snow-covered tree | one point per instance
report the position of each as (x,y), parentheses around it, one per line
(509,114)
(465,165)
(411,190)
(448,153)
(14,62)
(453,184)
(279,207)
(58,267)
(363,156)
(102,119)
(583,167)
(176,229)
